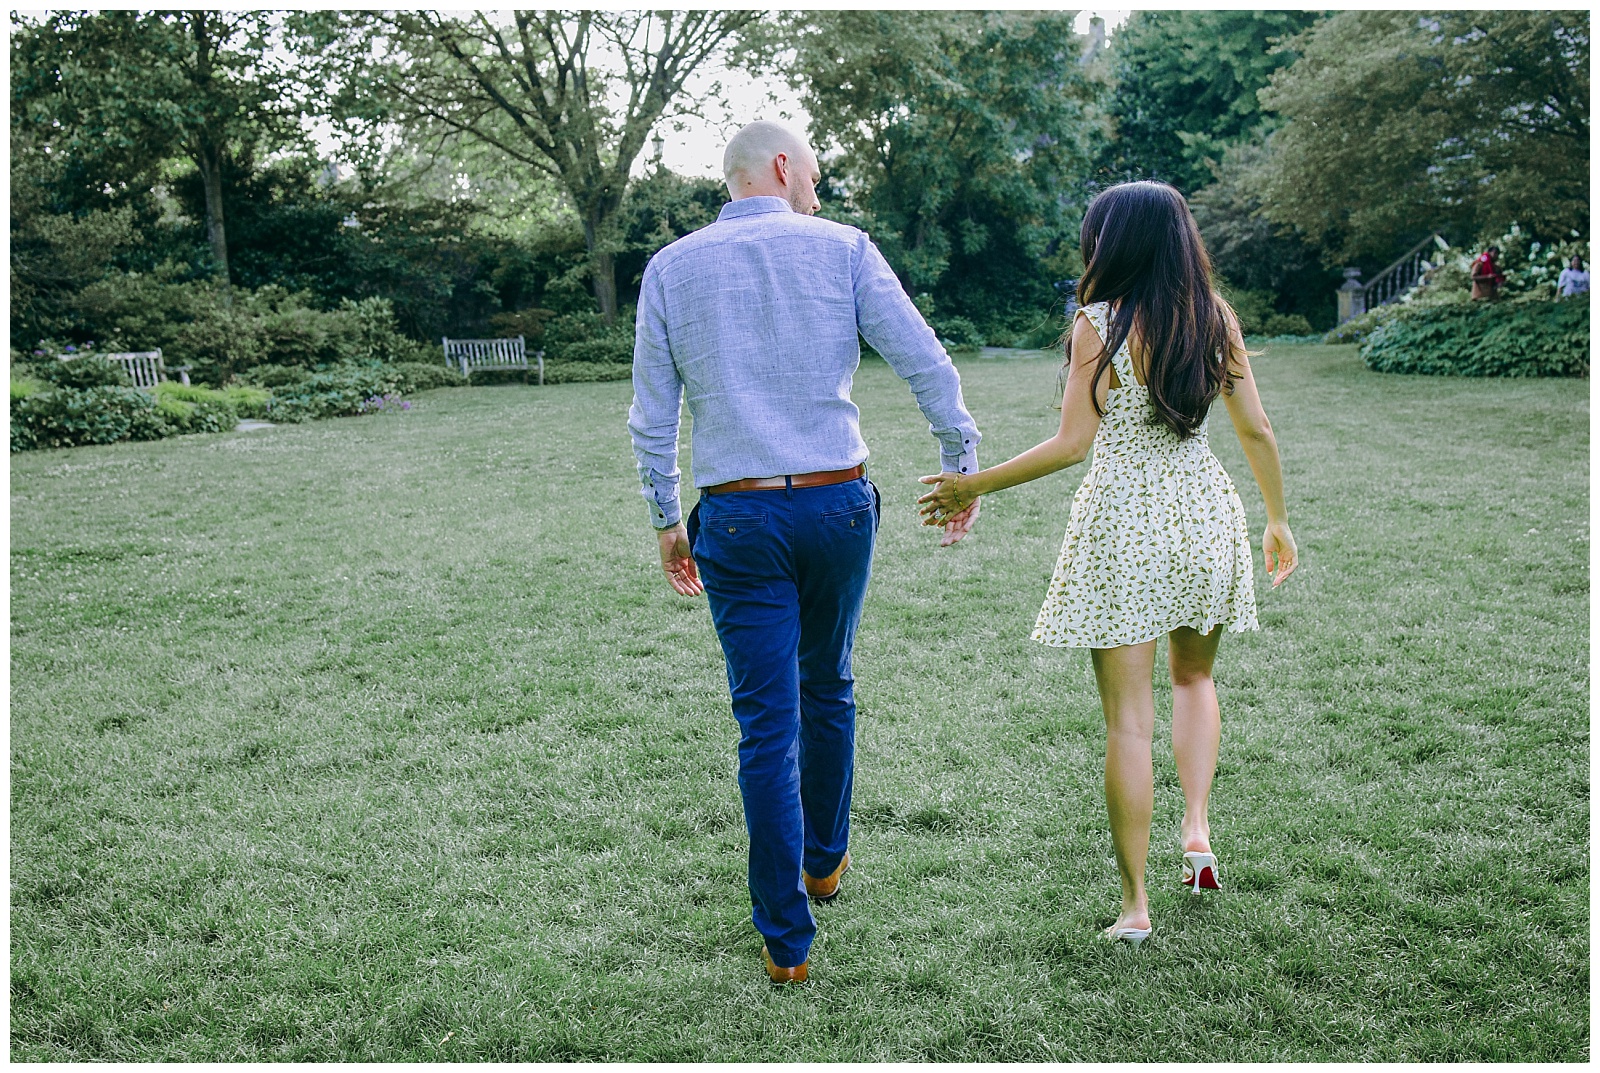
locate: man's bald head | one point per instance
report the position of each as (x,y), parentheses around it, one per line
(751,165)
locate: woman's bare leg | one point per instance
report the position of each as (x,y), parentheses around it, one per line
(1123,675)
(1196,728)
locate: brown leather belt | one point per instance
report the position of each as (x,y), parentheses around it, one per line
(799,480)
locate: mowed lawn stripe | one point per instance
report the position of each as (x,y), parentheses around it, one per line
(384,738)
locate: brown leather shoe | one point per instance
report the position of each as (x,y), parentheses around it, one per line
(825,890)
(780,975)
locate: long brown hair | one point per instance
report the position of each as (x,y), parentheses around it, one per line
(1141,249)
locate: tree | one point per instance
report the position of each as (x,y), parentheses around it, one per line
(959,139)
(572,95)
(1397,123)
(120,93)
(1185,85)
(1252,253)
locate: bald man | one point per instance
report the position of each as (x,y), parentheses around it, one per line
(755,320)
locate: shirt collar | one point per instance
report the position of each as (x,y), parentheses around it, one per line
(751,206)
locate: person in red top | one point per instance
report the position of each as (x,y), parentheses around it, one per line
(1486,278)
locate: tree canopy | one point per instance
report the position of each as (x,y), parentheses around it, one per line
(958,139)
(481,172)
(536,87)
(1397,123)
(1184,89)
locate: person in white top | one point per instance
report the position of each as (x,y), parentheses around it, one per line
(1574,279)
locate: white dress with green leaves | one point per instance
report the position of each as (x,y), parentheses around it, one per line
(1156,539)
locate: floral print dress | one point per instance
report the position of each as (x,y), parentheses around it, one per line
(1156,538)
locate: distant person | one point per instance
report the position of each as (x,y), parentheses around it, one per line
(1574,279)
(1486,276)
(754,320)
(1156,543)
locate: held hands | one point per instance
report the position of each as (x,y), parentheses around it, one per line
(1279,552)
(950,506)
(678,562)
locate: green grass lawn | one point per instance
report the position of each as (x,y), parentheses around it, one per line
(384,738)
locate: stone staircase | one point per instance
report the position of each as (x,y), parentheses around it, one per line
(1393,283)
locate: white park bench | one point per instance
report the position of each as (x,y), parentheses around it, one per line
(482,355)
(144,367)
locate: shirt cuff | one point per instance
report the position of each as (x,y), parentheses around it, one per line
(665,511)
(966,462)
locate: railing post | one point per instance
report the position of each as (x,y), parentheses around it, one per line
(1352,297)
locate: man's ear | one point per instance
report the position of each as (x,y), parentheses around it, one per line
(780,168)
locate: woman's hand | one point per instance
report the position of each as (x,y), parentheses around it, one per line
(1277,548)
(946,500)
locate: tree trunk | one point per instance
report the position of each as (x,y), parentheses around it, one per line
(209,160)
(208,149)
(602,264)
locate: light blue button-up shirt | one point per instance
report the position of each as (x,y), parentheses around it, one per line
(754,320)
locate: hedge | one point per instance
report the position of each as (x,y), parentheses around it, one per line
(1515,338)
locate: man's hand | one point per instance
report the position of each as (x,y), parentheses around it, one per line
(948,505)
(678,562)
(959,524)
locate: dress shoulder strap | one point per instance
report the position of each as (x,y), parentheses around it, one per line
(1099,314)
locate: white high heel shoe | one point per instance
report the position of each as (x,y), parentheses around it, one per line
(1132,936)
(1200,871)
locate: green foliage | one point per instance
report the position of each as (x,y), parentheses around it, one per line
(1253,253)
(124,94)
(1257,317)
(1504,338)
(206,410)
(74,417)
(23,386)
(1396,123)
(1530,268)
(455,76)
(1185,86)
(337,391)
(84,372)
(958,334)
(962,144)
(223,334)
(412,376)
(585,338)
(586,372)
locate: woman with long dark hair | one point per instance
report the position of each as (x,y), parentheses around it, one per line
(1156,542)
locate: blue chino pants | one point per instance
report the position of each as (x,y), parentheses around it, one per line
(785,573)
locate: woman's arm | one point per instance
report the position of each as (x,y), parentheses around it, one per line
(1069,446)
(1250,424)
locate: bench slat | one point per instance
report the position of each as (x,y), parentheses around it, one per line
(490,354)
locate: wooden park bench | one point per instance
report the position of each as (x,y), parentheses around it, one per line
(481,355)
(144,367)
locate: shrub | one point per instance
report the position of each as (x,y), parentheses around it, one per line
(23,386)
(248,401)
(333,392)
(585,337)
(586,372)
(277,376)
(417,376)
(1508,338)
(606,350)
(227,333)
(73,417)
(83,373)
(958,333)
(196,409)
